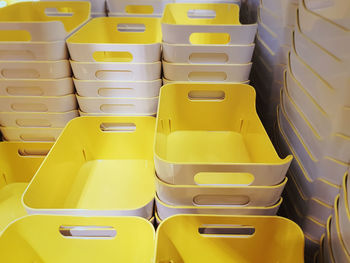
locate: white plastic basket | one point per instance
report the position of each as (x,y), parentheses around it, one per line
(34,119)
(152,8)
(207,54)
(334,38)
(166,81)
(33,50)
(34,69)
(119,106)
(30,134)
(117,71)
(121,89)
(98,7)
(118,40)
(38,104)
(36,87)
(166,210)
(207,72)
(179,32)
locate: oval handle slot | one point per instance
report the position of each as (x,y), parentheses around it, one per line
(221,200)
(33,152)
(210,38)
(207,76)
(113,108)
(118,127)
(33,123)
(59,12)
(223,178)
(207,95)
(201,14)
(114,74)
(208,58)
(139,9)
(36,137)
(112,56)
(132,28)
(29,107)
(15,35)
(227,231)
(24,91)
(88,232)
(112,92)
(20,73)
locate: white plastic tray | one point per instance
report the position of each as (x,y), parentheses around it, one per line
(152,8)
(45,27)
(30,134)
(328,168)
(33,50)
(34,69)
(166,210)
(242,34)
(121,89)
(238,196)
(34,119)
(330,98)
(143,46)
(36,87)
(116,71)
(208,54)
(207,72)
(339,251)
(277,21)
(38,104)
(119,106)
(283,8)
(344,214)
(331,69)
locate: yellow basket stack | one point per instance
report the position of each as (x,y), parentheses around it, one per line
(206,42)
(116,64)
(212,154)
(36,90)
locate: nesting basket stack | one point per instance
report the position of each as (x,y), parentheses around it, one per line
(36,89)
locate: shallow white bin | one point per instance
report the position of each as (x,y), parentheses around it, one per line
(121,89)
(34,69)
(207,72)
(31,134)
(119,106)
(38,104)
(116,71)
(36,87)
(35,119)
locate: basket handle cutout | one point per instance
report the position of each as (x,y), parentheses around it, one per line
(114,74)
(139,9)
(59,12)
(14,35)
(37,137)
(224,178)
(131,28)
(24,91)
(34,123)
(29,107)
(112,56)
(207,76)
(113,108)
(33,152)
(227,231)
(201,14)
(20,73)
(210,38)
(206,95)
(118,127)
(221,200)
(109,92)
(208,58)
(88,232)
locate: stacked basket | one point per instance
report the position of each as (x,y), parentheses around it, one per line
(116,64)
(212,154)
(36,90)
(206,42)
(98,7)
(314,118)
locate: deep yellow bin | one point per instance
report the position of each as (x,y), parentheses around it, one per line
(243,239)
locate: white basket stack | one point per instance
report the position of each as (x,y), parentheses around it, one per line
(336,242)
(276,20)
(36,90)
(314,118)
(204,163)
(206,43)
(116,64)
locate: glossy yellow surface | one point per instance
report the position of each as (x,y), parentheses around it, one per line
(39,239)
(97,163)
(208,239)
(18,164)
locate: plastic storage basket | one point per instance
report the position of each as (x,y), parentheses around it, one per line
(135,8)
(18,164)
(75,239)
(213,129)
(108,169)
(118,40)
(205,24)
(229,239)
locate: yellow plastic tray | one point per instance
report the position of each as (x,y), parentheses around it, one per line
(207,239)
(98,166)
(42,21)
(58,239)
(211,134)
(18,164)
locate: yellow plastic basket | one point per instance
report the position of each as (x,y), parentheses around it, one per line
(55,239)
(114,39)
(98,166)
(211,134)
(42,21)
(18,164)
(244,239)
